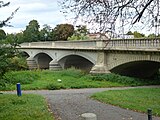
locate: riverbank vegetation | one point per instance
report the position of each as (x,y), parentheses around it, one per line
(67,79)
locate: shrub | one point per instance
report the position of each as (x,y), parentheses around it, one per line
(18,63)
(23,77)
(55,86)
(124,79)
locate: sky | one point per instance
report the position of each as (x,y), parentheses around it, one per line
(44,11)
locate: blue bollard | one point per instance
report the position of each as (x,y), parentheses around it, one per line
(19,89)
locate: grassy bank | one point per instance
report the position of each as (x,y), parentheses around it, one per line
(135,99)
(26,107)
(67,79)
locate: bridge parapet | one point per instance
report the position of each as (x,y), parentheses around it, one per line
(87,44)
(36,44)
(76,44)
(119,44)
(134,44)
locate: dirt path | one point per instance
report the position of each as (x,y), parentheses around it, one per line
(70,104)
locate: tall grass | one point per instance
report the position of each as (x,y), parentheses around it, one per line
(67,79)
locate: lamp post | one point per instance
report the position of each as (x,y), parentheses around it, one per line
(100,19)
(45,36)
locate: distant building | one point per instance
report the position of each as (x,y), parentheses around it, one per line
(108,35)
(98,36)
(119,36)
(124,36)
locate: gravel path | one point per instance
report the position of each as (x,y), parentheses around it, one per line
(70,104)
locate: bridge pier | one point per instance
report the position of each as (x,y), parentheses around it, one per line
(54,65)
(101,65)
(31,63)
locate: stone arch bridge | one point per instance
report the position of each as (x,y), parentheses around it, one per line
(133,57)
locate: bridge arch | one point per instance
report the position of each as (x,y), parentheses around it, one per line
(24,54)
(141,68)
(42,59)
(89,56)
(76,61)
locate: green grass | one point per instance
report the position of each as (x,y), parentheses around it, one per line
(26,107)
(135,99)
(71,78)
(48,80)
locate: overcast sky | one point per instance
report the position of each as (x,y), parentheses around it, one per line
(44,11)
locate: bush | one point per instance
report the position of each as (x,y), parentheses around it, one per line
(18,63)
(23,77)
(55,86)
(124,79)
(72,72)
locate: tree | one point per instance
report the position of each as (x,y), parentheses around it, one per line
(130,33)
(19,37)
(7,51)
(31,34)
(138,35)
(80,33)
(152,35)
(62,32)
(10,58)
(45,33)
(2,34)
(7,48)
(82,29)
(108,12)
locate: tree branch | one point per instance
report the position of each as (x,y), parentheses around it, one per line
(4,22)
(141,13)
